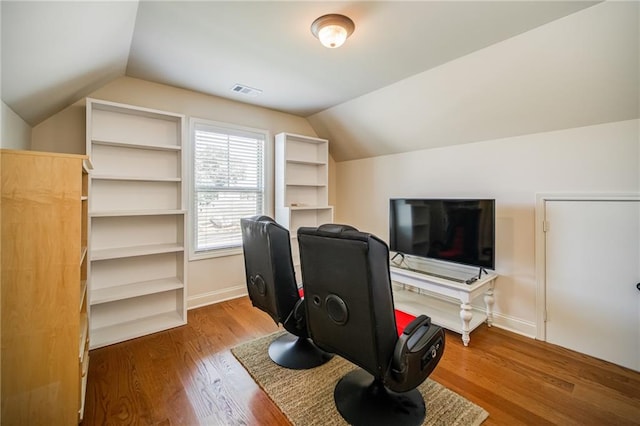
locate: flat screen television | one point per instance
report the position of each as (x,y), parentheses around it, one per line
(460,231)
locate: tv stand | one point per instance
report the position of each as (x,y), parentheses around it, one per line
(433,274)
(442,311)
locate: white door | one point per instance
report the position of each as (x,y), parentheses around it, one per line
(592,268)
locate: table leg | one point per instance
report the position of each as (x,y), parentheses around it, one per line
(465,316)
(488,301)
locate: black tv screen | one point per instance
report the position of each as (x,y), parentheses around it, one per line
(460,231)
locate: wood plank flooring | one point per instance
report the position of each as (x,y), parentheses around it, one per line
(188,376)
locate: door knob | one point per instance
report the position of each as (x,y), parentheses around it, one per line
(638,286)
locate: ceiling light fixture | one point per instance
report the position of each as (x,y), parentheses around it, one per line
(332,30)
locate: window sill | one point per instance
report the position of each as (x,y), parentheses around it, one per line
(224,252)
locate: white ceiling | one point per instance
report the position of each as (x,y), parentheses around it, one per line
(208,47)
(54,53)
(581,70)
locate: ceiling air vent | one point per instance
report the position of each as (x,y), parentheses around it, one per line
(246,90)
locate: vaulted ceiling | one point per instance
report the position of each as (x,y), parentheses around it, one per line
(54,53)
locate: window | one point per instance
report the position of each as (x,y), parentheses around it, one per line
(228,183)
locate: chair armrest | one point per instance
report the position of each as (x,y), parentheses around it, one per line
(417,322)
(416,354)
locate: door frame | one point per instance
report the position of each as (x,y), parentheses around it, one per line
(541,249)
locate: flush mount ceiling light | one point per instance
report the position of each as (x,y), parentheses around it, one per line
(332,30)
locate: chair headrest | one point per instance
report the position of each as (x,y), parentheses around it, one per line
(259,218)
(261,222)
(334,230)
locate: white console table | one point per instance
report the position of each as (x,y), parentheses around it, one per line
(443,312)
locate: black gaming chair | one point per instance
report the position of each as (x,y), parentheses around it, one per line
(350,312)
(272,288)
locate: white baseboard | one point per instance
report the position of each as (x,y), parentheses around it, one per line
(505,322)
(216,296)
(515,325)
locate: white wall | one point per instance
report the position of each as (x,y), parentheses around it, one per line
(209,280)
(602,158)
(16,133)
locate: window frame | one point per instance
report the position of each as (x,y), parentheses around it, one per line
(268,184)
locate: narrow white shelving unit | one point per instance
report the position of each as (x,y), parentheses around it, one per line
(137,220)
(83,350)
(302,186)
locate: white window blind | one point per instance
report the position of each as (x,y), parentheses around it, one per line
(228,183)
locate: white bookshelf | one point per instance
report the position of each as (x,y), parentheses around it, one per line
(137,218)
(302,185)
(85,309)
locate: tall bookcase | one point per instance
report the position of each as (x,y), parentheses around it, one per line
(137,221)
(83,347)
(302,185)
(45,331)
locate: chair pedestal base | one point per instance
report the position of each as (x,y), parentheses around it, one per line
(362,400)
(297,353)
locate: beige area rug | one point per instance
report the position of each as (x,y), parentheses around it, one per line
(306,396)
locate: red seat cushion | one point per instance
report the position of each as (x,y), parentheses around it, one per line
(402,318)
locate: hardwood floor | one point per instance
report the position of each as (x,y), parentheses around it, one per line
(188,376)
